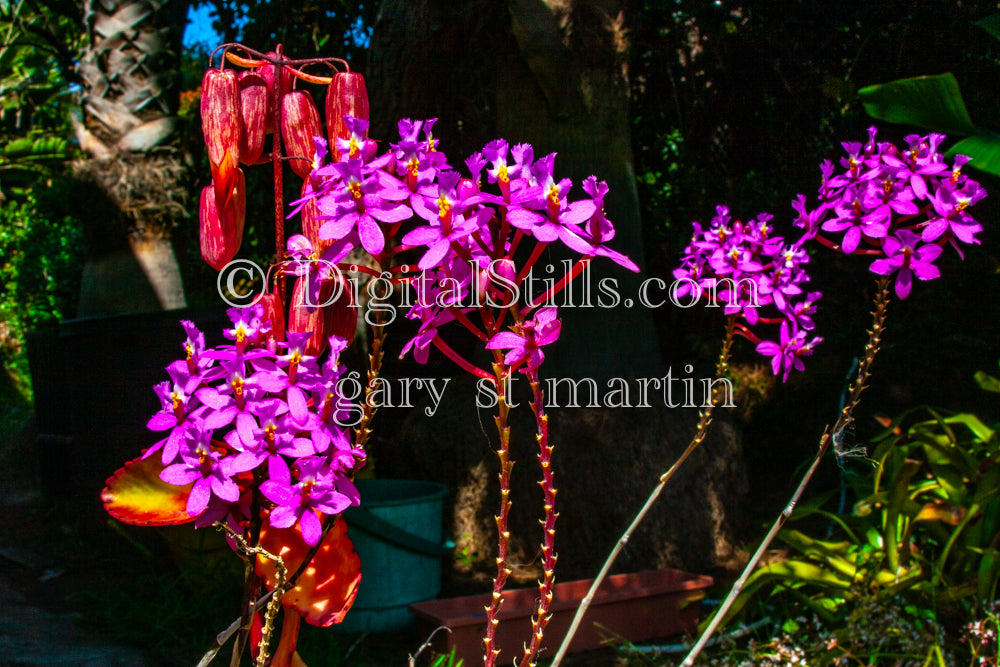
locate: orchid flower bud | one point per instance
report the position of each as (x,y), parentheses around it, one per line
(220,123)
(267,72)
(466,188)
(253,116)
(346,95)
(299,124)
(503,288)
(221,230)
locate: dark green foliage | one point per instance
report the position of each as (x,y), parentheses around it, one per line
(305,30)
(40,258)
(738,103)
(936,103)
(37,47)
(921,538)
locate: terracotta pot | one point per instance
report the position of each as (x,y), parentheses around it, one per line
(636,606)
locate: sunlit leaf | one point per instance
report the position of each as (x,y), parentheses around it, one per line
(135,494)
(984,149)
(987,382)
(931,102)
(940,510)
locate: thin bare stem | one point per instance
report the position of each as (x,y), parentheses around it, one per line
(845,418)
(704,420)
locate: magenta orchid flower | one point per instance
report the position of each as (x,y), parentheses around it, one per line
(907,259)
(526,346)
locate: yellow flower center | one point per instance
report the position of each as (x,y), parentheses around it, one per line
(554,196)
(355,189)
(444,206)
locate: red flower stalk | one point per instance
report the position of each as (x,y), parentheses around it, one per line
(299,124)
(221,229)
(346,95)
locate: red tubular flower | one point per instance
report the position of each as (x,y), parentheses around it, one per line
(220,123)
(329,313)
(347,95)
(305,315)
(274,314)
(341,317)
(221,230)
(253,116)
(299,124)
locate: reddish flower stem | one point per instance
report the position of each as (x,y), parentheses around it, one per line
(545,586)
(464,320)
(535,254)
(276,161)
(559,286)
(502,378)
(460,360)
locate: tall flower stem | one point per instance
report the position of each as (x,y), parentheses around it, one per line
(363,430)
(547,483)
(704,420)
(501,374)
(845,418)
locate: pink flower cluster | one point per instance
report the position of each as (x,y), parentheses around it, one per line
(900,205)
(260,409)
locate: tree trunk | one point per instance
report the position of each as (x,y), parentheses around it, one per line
(550,73)
(130,69)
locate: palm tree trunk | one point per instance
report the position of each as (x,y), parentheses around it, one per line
(130,70)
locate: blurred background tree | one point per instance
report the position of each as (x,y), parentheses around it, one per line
(690,104)
(129,70)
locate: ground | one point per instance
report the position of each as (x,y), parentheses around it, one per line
(79,589)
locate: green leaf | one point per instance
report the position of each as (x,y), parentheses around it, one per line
(835,554)
(991,24)
(987,382)
(984,149)
(931,102)
(989,574)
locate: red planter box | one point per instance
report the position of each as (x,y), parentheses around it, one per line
(637,606)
